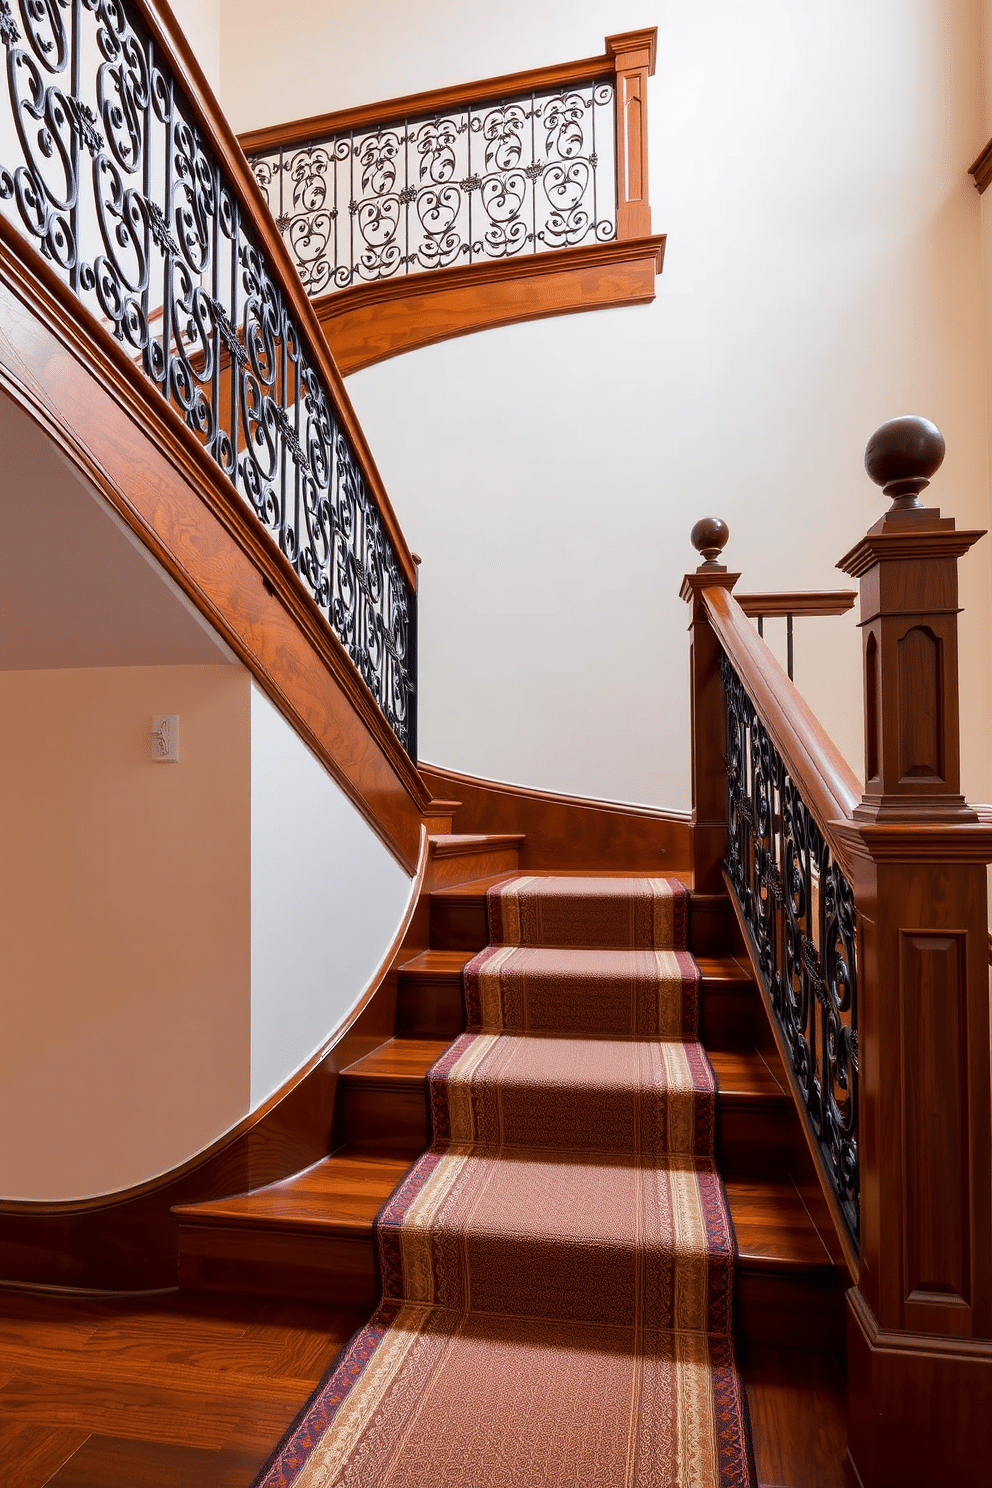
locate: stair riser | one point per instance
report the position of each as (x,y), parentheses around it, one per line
(756,1140)
(459,868)
(729,1017)
(789,1312)
(462,925)
(274,1263)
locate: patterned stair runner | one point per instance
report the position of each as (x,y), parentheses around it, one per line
(557,1269)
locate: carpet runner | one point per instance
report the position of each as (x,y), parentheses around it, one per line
(557,1269)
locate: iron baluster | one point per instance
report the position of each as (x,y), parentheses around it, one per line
(107,175)
(799,914)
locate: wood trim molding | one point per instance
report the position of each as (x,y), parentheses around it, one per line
(801,602)
(372,322)
(980,168)
(81,387)
(584,833)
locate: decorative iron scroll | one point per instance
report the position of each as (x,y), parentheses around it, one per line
(799,911)
(488,181)
(104,169)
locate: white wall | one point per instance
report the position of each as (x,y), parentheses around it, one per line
(326,901)
(200,22)
(823,273)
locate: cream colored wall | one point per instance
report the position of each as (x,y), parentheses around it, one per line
(823,273)
(124,924)
(200,22)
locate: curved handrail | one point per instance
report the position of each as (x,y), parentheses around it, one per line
(119,170)
(829,786)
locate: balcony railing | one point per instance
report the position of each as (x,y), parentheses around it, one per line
(108,171)
(526,174)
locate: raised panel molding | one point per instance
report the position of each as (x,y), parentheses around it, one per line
(921,744)
(934,1080)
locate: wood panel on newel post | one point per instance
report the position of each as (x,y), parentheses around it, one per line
(707,711)
(920,1318)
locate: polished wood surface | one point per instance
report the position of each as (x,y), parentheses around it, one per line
(634,54)
(586,834)
(198,1390)
(980,168)
(829,786)
(797,602)
(369,323)
(154,1392)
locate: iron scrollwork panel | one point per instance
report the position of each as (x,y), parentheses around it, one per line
(800,914)
(105,171)
(488,181)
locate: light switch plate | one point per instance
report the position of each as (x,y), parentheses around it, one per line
(165,738)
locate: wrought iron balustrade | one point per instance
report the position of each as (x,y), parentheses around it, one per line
(527,174)
(799,912)
(106,171)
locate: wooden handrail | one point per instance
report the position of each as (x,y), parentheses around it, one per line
(436,100)
(767,606)
(829,786)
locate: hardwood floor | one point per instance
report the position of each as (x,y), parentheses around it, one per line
(162,1392)
(188,1392)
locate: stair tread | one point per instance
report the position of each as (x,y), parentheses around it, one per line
(342,1195)
(433,964)
(476,889)
(437,963)
(478,839)
(399,1060)
(740,1074)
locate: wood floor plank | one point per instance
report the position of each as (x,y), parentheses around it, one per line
(115,1462)
(798,1419)
(308,1338)
(29,1457)
(132,1407)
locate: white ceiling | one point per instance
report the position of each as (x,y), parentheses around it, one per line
(77,589)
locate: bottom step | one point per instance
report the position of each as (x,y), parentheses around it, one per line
(310,1238)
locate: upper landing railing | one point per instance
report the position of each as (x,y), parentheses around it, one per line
(513,166)
(864,910)
(117,172)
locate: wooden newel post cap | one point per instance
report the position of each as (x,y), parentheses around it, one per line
(901,456)
(709,537)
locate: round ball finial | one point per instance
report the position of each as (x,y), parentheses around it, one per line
(901,456)
(709,537)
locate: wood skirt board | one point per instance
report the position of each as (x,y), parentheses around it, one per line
(283,1264)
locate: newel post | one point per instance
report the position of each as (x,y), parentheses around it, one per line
(920,1316)
(707,711)
(633,54)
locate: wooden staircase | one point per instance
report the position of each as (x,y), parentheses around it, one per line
(311,1237)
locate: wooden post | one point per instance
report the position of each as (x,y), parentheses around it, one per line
(633,54)
(708,717)
(920,1316)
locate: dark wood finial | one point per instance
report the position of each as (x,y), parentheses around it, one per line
(901,456)
(709,537)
